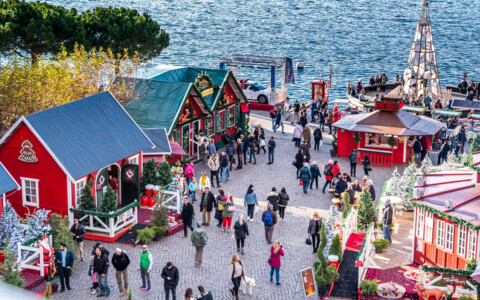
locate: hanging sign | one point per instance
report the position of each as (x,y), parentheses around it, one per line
(130,173)
(27,154)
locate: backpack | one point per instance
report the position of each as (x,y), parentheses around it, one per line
(202,148)
(328,170)
(268,220)
(272,114)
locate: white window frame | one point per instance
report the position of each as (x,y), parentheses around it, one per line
(449,237)
(420,222)
(428,228)
(134,159)
(472,244)
(440,241)
(228,110)
(462,240)
(78,192)
(24,191)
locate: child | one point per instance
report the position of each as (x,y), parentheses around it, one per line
(94,288)
(193,186)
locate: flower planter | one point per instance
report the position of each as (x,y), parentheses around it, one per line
(378,250)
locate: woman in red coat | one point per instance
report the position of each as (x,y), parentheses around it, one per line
(275,263)
(330,170)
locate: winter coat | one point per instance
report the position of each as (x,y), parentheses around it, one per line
(80,231)
(223,161)
(251,198)
(68,258)
(371,190)
(211,149)
(417,147)
(317,134)
(273,199)
(305,174)
(275,258)
(307,134)
(100,264)
(329,177)
(120,262)
(201,186)
(173,274)
(315,171)
(97,244)
(271,146)
(462,136)
(187,213)
(298,131)
(273,214)
(335,169)
(283,199)
(206,296)
(329,118)
(387,215)
(366,162)
(241,231)
(207,201)
(226,205)
(353,157)
(213,164)
(189,171)
(311,226)
(340,186)
(199,237)
(239,149)
(230,150)
(298,160)
(306,152)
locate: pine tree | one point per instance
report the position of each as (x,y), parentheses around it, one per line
(333,217)
(366,212)
(48,291)
(395,185)
(475,146)
(87,201)
(336,248)
(346,200)
(11,232)
(159,216)
(37,225)
(109,202)
(149,175)
(452,160)
(61,231)
(10,268)
(324,274)
(164,174)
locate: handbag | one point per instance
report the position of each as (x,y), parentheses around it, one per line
(232,208)
(308,241)
(269,260)
(294,163)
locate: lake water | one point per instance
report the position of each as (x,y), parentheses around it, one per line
(358,38)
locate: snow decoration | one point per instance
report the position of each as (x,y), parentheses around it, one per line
(10,228)
(420,181)
(37,225)
(448,204)
(417,193)
(333,218)
(427,165)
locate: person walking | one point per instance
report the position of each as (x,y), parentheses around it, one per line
(214,164)
(78,234)
(204,181)
(189,173)
(199,241)
(250,200)
(231,150)
(64,259)
(296,112)
(203,294)
(193,186)
(211,148)
(273,116)
(100,266)
(306,151)
(241,233)
(315,171)
(276,251)
(228,211)
(253,149)
(305,177)
(120,262)
(187,216)
(298,162)
(236,273)
(219,207)
(303,119)
(269,218)
(145,266)
(328,172)
(307,135)
(417,149)
(297,134)
(330,121)
(206,205)
(246,149)
(317,137)
(279,121)
(273,199)
(366,164)
(224,166)
(353,162)
(387,220)
(314,230)
(271,150)
(321,118)
(170,280)
(282,203)
(239,153)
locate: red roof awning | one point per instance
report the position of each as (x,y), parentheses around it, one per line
(177,149)
(244,108)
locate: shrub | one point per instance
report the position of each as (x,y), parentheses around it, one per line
(48,291)
(346,200)
(10,268)
(145,235)
(159,216)
(336,248)
(381,244)
(61,231)
(324,274)
(159,231)
(368,287)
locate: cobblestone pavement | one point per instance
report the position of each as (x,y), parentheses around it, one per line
(292,232)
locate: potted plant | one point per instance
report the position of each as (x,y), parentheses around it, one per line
(145,235)
(368,287)
(380,244)
(159,231)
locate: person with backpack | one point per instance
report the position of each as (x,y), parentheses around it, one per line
(236,272)
(366,164)
(283,202)
(231,150)
(271,150)
(273,115)
(219,207)
(269,218)
(315,171)
(273,199)
(314,230)
(276,251)
(317,137)
(327,171)
(298,162)
(241,233)
(250,200)
(307,135)
(199,240)
(189,172)
(305,177)
(353,162)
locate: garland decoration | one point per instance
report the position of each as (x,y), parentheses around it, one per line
(427,268)
(37,238)
(392,142)
(357,138)
(370,228)
(104,214)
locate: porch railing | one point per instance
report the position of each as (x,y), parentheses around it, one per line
(364,259)
(33,255)
(349,224)
(171,199)
(378,158)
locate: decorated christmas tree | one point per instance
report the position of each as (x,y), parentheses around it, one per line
(149,175)
(159,216)
(366,212)
(109,202)
(336,248)
(10,268)
(11,232)
(475,146)
(427,164)
(164,174)
(61,231)
(87,201)
(333,218)
(37,225)
(395,185)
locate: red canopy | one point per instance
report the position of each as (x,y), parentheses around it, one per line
(177,149)
(244,108)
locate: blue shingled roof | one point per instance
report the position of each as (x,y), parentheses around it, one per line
(7,183)
(160,139)
(89,134)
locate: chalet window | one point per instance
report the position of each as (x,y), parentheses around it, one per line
(220,121)
(440,234)
(462,239)
(133,160)
(79,185)
(472,243)
(238,114)
(209,126)
(420,222)
(176,136)
(449,237)
(428,226)
(30,191)
(231,116)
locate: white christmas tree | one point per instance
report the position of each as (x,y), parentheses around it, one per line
(427,164)
(10,228)
(333,217)
(37,225)
(395,185)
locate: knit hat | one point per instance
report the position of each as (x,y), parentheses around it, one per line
(118,250)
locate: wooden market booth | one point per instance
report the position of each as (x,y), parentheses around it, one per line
(383,133)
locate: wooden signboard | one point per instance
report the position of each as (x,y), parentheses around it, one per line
(455,280)
(306,283)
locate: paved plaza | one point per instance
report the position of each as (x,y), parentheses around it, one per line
(221,246)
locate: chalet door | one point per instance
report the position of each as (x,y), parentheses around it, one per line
(195,130)
(101,185)
(186,139)
(130,181)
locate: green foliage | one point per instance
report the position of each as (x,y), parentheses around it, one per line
(464,298)
(366,212)
(87,201)
(164,174)
(159,231)
(346,200)
(10,268)
(159,216)
(368,287)
(324,274)
(336,248)
(149,175)
(381,244)
(145,235)
(61,231)
(116,213)
(475,146)
(109,202)
(357,137)
(129,297)
(48,291)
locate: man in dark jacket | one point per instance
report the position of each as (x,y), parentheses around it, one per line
(239,153)
(64,259)
(204,295)
(78,233)
(462,138)
(246,149)
(315,174)
(387,220)
(353,162)
(340,186)
(224,166)
(206,205)
(306,151)
(231,154)
(271,150)
(170,277)
(120,262)
(187,216)
(100,266)
(100,245)
(317,137)
(417,149)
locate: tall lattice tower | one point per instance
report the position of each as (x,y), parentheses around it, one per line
(421,74)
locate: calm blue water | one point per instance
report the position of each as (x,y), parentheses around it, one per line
(358,37)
